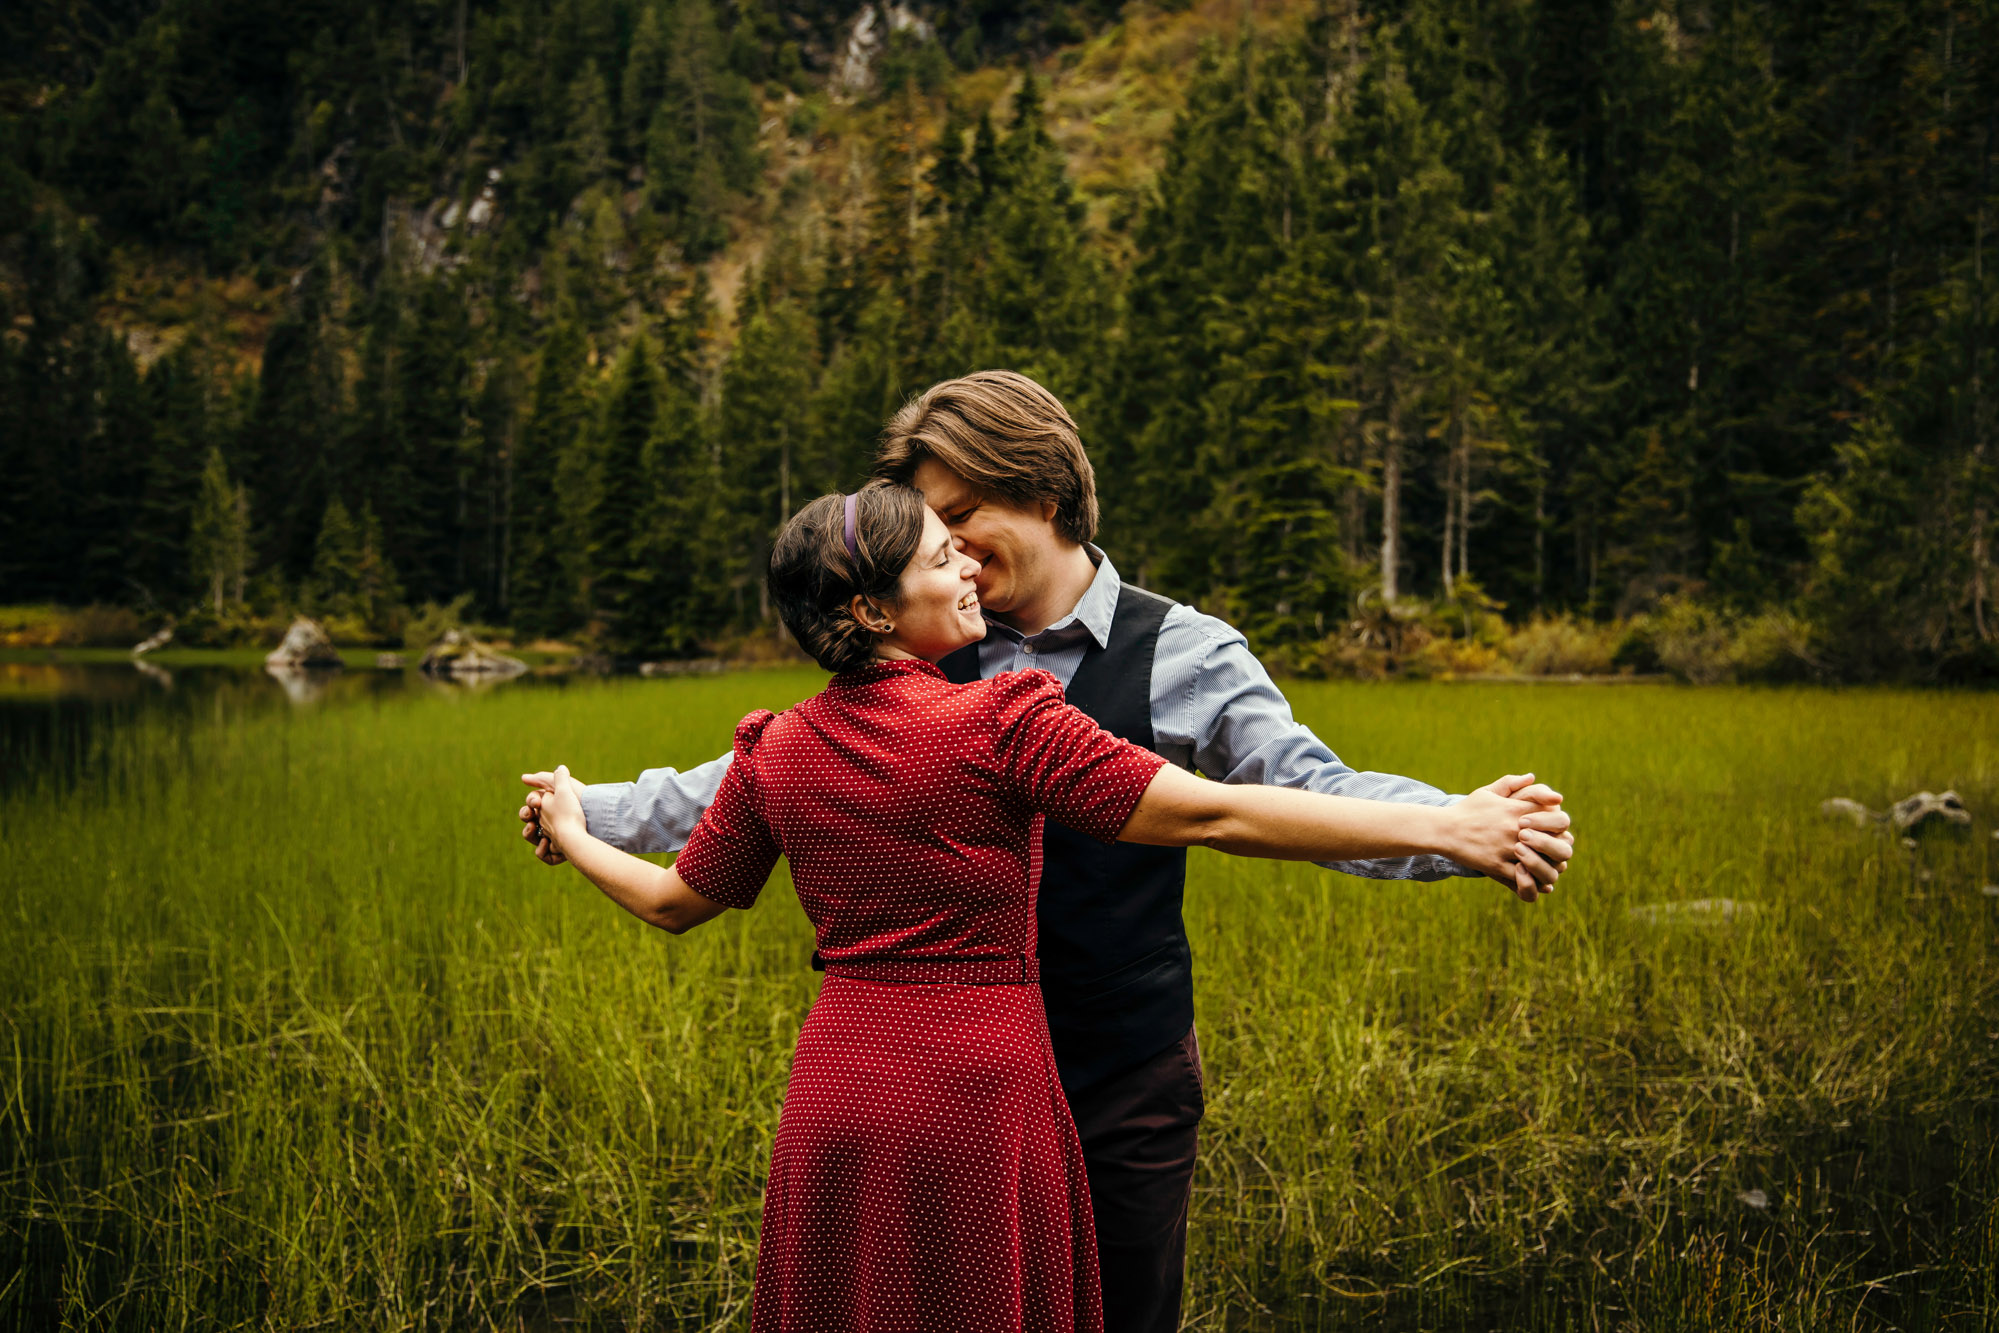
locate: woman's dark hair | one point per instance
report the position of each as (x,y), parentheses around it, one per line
(812,578)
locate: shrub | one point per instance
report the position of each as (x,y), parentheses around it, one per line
(1453,657)
(1693,642)
(1563,646)
(93,626)
(1706,645)
(235,627)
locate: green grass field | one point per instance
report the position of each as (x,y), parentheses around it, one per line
(294,1033)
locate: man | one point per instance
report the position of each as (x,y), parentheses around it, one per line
(999,459)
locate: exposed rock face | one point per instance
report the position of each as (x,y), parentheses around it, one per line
(458,654)
(305,645)
(854,66)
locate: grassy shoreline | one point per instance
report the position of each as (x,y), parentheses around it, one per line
(298,1035)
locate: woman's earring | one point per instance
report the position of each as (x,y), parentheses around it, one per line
(889,627)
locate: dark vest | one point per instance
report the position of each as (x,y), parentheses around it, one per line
(1116,973)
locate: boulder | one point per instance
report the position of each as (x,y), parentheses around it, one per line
(305,645)
(1924,806)
(459,655)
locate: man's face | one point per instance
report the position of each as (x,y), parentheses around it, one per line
(1012,543)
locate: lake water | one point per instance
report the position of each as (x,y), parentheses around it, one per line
(55,713)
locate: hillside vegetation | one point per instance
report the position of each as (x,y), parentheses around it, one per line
(1386,324)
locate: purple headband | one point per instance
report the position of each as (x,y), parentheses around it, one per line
(848,532)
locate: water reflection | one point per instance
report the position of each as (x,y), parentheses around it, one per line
(154,672)
(303,684)
(55,714)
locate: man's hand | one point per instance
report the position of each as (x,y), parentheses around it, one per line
(1543,843)
(531,828)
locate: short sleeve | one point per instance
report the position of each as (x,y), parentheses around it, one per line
(732,851)
(1061,762)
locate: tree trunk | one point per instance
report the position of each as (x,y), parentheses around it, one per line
(505,522)
(1450,510)
(1980,516)
(1540,536)
(1391,500)
(784,483)
(1464,507)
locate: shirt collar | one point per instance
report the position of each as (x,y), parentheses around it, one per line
(1092,613)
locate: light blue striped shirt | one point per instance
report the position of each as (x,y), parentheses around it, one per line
(1215,710)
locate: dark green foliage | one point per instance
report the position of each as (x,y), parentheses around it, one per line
(701,139)
(628,499)
(541,571)
(336,562)
(1548,306)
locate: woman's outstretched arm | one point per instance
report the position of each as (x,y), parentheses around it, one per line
(656,895)
(1486,830)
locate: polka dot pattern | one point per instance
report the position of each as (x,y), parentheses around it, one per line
(926,1173)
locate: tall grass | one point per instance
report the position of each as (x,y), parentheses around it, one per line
(297,1035)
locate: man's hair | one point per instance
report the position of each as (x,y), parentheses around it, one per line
(1003,433)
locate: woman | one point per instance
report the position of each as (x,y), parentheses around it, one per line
(926,1173)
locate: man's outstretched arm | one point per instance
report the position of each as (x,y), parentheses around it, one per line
(1215,709)
(657,813)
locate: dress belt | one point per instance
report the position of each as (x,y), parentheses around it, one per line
(935,971)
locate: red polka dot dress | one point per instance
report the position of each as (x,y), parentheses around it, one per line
(926,1174)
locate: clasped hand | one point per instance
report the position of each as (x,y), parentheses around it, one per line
(1516,831)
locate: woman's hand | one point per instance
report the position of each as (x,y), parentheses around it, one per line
(1515,831)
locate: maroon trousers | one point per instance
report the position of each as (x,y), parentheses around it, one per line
(1139,1131)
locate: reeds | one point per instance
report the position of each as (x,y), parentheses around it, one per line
(297,1035)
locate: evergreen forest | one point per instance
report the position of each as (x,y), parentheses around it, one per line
(1473,315)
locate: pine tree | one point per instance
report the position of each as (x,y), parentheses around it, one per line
(422,483)
(541,586)
(291,439)
(626,508)
(765,433)
(378,592)
(1551,353)
(219,536)
(702,140)
(181,407)
(644,84)
(109,465)
(335,585)
(1408,214)
(1692,284)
